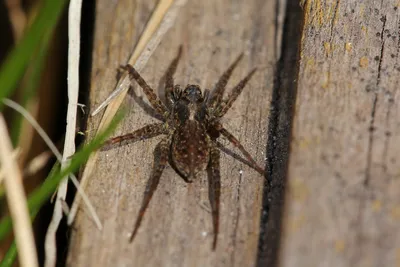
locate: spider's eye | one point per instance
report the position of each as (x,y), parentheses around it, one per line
(193,93)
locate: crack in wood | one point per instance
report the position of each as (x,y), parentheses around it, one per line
(279,132)
(373,111)
(370,142)
(383,19)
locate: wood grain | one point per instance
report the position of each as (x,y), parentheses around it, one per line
(177,228)
(343,196)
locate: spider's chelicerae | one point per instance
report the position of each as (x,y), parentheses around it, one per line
(191,125)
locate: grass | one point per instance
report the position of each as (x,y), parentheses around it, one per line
(26,61)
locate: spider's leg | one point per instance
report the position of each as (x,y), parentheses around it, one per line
(206,95)
(217,93)
(148,91)
(237,90)
(153,183)
(169,79)
(143,133)
(237,144)
(214,191)
(236,156)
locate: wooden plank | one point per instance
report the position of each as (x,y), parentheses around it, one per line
(177,229)
(343,199)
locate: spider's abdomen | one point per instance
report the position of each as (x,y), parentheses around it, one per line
(190,149)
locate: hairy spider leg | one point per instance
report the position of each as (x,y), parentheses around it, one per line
(206,95)
(148,131)
(218,92)
(237,144)
(153,183)
(169,79)
(214,190)
(148,91)
(236,91)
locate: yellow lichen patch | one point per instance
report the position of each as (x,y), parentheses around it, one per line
(340,246)
(362,10)
(304,143)
(295,223)
(310,63)
(328,48)
(363,62)
(345,29)
(376,205)
(364,29)
(327,80)
(298,191)
(335,7)
(319,12)
(395,213)
(348,47)
(349,85)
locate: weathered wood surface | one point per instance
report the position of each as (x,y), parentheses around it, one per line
(177,227)
(343,191)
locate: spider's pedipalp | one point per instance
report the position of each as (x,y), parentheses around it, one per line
(176,94)
(169,79)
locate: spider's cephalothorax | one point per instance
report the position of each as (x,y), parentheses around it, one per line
(191,125)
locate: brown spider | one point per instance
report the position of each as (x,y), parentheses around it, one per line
(191,123)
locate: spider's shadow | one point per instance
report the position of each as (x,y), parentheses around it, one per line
(156,165)
(146,107)
(160,94)
(234,155)
(161,88)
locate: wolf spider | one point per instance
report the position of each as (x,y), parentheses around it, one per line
(191,123)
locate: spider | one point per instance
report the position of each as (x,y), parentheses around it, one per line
(191,125)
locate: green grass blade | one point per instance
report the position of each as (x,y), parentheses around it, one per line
(12,252)
(16,62)
(44,192)
(10,256)
(30,85)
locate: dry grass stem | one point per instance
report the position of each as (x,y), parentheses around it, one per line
(17,17)
(55,151)
(16,200)
(74,23)
(14,156)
